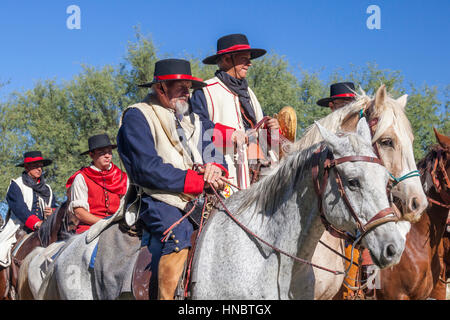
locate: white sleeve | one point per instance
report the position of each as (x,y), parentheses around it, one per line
(78,194)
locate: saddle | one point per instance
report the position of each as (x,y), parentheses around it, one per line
(11,272)
(144,283)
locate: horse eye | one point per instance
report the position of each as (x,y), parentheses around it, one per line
(354,183)
(387,143)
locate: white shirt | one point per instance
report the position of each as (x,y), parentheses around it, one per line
(79,191)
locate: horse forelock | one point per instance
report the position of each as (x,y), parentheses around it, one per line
(393,116)
(332,121)
(393,112)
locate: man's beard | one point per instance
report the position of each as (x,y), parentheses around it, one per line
(181,107)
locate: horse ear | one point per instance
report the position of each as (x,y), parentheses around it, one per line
(444,141)
(363,130)
(380,97)
(402,101)
(332,140)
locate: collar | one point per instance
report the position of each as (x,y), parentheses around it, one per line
(97,169)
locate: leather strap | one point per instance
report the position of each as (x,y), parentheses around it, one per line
(384,216)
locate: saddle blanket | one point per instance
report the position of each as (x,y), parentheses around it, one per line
(7,240)
(113,260)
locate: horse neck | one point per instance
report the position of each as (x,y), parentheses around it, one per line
(312,227)
(50,235)
(433,223)
(294,225)
(57,225)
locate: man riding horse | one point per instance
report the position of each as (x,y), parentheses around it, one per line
(95,191)
(228,101)
(169,155)
(341,94)
(29,198)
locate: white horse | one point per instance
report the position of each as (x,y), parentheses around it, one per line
(282,209)
(393,138)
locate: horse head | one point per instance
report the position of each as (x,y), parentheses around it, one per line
(355,195)
(392,139)
(435,168)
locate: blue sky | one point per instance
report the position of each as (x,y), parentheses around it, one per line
(316,35)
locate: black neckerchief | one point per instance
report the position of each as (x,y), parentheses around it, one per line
(240,87)
(40,188)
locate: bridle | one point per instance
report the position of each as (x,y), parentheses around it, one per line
(442,188)
(395,180)
(390,214)
(382,217)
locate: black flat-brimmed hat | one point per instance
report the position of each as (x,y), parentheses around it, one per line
(98,141)
(337,91)
(174,69)
(34,156)
(233,43)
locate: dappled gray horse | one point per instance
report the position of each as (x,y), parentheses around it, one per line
(283,209)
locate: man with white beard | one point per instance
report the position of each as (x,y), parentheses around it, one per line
(160,143)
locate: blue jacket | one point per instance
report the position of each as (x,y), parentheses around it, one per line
(145,167)
(16,203)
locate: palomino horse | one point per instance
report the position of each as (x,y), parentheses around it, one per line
(55,227)
(281,209)
(392,137)
(419,270)
(246,256)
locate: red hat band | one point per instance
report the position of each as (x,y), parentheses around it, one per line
(235,48)
(176,77)
(31,159)
(344,95)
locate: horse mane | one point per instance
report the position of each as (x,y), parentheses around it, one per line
(45,231)
(332,122)
(391,111)
(269,193)
(427,162)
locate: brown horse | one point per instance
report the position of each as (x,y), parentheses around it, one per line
(422,269)
(57,227)
(443,186)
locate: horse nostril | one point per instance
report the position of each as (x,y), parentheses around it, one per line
(390,250)
(415,204)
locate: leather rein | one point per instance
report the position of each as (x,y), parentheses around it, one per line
(390,214)
(441,187)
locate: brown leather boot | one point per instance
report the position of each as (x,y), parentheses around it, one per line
(169,272)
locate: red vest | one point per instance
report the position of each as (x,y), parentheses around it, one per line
(102,203)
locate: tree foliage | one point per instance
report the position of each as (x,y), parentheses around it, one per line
(58,117)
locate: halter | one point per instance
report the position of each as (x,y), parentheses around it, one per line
(390,214)
(414,173)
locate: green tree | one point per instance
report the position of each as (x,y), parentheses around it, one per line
(58,117)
